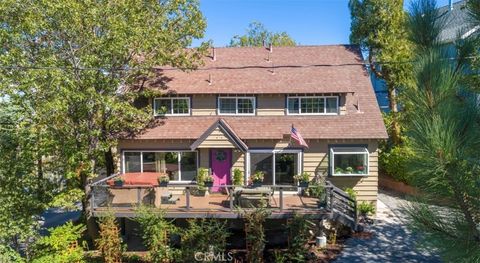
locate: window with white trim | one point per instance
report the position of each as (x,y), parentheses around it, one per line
(349,161)
(312,105)
(236,105)
(171,106)
(279,166)
(178,165)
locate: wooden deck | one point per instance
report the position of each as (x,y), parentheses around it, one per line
(216,206)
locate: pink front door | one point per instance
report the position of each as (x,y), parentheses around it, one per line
(221,163)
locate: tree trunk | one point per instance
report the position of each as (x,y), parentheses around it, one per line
(392,98)
(109,162)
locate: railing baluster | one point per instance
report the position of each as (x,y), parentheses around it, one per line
(187,194)
(281,198)
(139,195)
(230,192)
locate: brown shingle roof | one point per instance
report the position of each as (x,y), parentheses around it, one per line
(304,69)
(301,69)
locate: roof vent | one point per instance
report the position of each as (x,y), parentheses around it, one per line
(214,55)
(270,48)
(210,81)
(450,3)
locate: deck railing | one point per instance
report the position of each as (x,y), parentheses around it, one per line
(186,198)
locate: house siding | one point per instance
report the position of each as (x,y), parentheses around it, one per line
(216,139)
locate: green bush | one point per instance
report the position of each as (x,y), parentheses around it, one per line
(237,177)
(203,235)
(315,190)
(7,254)
(351,193)
(109,242)
(366,208)
(394,162)
(155,233)
(61,245)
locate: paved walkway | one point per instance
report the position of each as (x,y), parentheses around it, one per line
(391,240)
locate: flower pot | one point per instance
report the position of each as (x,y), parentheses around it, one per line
(208,184)
(163,184)
(257,184)
(118,183)
(303,184)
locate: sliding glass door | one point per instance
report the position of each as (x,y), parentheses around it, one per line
(279,166)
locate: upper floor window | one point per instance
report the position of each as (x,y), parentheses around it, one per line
(171,106)
(312,105)
(236,105)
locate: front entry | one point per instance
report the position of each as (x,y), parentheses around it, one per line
(221,164)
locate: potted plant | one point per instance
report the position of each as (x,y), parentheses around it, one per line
(237,177)
(303,179)
(257,178)
(360,169)
(202,175)
(349,170)
(339,170)
(163,180)
(208,181)
(118,181)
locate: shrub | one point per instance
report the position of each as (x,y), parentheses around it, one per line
(203,236)
(7,254)
(255,233)
(366,208)
(109,242)
(155,234)
(351,193)
(61,245)
(237,177)
(394,162)
(316,190)
(298,230)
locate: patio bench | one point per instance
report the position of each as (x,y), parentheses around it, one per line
(248,197)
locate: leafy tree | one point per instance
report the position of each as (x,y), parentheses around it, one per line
(23,188)
(61,245)
(298,232)
(109,241)
(156,233)
(80,66)
(257,36)
(378,26)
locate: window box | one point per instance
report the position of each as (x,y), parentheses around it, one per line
(174,106)
(312,105)
(349,161)
(236,106)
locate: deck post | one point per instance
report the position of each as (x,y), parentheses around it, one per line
(92,200)
(230,191)
(139,190)
(187,195)
(281,198)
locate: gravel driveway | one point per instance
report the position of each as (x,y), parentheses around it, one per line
(391,240)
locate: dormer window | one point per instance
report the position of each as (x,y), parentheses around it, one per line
(171,106)
(236,105)
(312,105)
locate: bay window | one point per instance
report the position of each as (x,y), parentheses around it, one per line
(312,105)
(348,161)
(236,105)
(178,165)
(171,106)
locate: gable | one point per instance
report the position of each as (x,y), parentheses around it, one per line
(217,139)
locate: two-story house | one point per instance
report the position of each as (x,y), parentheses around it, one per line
(237,111)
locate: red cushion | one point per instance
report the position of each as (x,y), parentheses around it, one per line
(138,178)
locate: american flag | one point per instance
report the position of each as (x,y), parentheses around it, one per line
(298,137)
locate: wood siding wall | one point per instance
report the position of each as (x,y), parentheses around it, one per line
(216,139)
(315,159)
(267,105)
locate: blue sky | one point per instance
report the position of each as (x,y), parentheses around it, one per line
(309,22)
